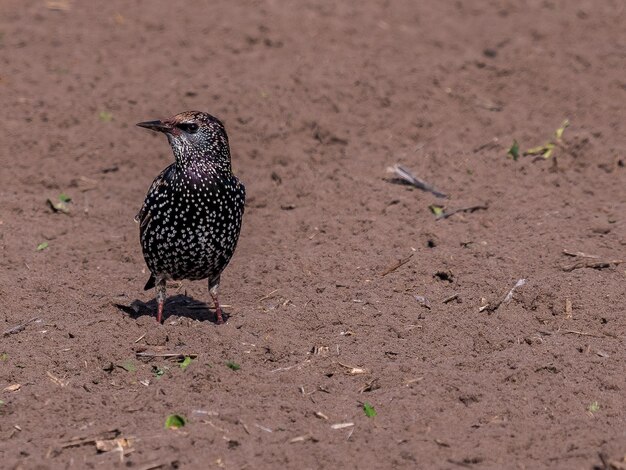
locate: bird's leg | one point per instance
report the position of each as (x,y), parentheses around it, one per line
(160,296)
(213,285)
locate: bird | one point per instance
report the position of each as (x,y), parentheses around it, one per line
(190,220)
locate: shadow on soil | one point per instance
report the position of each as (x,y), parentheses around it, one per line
(179,305)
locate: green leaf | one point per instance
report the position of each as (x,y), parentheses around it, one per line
(233,365)
(435,209)
(128,366)
(105,116)
(185,363)
(369,410)
(594,407)
(514,150)
(175,422)
(559,132)
(42,246)
(158,371)
(64,197)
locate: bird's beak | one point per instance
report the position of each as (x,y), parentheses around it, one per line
(158,126)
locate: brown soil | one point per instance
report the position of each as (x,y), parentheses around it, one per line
(318,100)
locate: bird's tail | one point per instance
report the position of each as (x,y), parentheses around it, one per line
(151,283)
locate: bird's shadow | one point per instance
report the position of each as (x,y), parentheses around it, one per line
(179,305)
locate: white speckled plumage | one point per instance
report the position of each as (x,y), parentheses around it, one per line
(191,217)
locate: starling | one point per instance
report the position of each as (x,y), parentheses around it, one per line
(190,221)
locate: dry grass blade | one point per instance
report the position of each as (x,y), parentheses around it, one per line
(268,296)
(506,298)
(341,425)
(281,369)
(581,333)
(568,309)
(413,381)
(56,380)
(263,428)
(353,370)
(396,265)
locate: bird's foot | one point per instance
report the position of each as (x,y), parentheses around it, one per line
(160,296)
(160,313)
(218,315)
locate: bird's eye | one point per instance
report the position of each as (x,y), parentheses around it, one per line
(189,127)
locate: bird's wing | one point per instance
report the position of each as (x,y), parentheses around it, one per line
(143,216)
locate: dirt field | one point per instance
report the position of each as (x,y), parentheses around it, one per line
(345,289)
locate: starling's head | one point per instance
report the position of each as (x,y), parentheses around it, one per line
(194,136)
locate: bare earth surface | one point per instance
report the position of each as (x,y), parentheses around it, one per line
(319,99)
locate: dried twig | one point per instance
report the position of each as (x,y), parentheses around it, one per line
(155,465)
(395,266)
(579,254)
(407,177)
(450,298)
(581,333)
(18,328)
(177,356)
(80,441)
(265,297)
(370,386)
(592,264)
(446,214)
